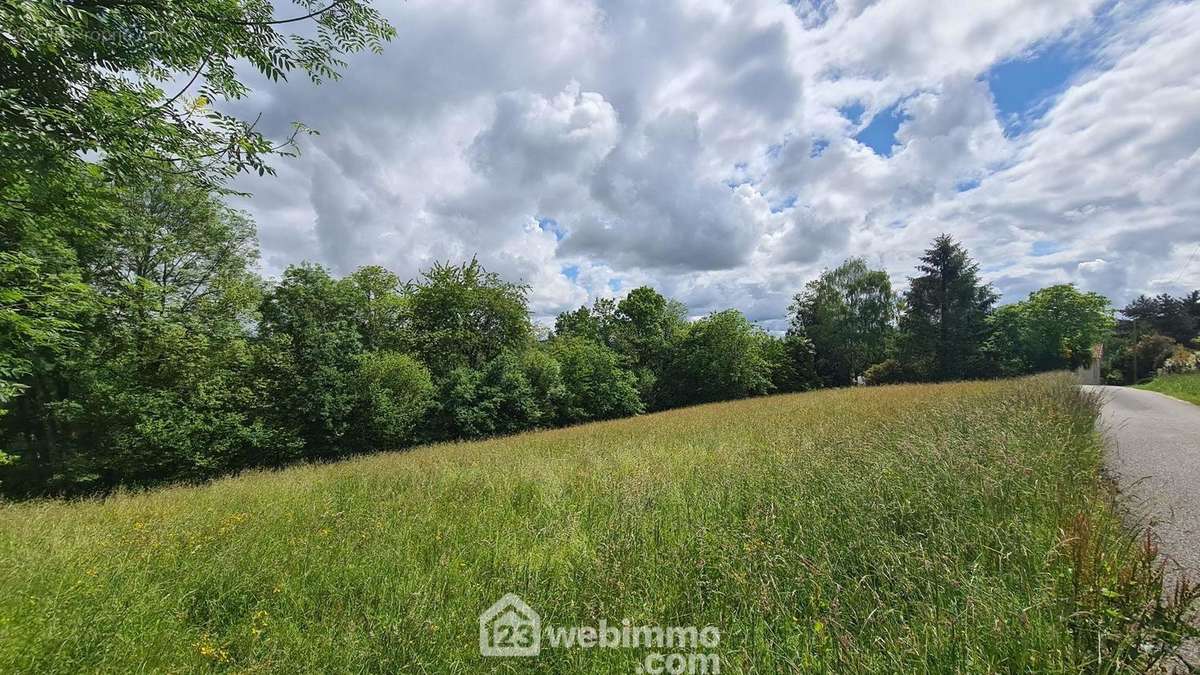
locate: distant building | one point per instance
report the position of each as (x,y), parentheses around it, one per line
(1091,374)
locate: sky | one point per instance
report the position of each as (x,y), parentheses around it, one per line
(725,152)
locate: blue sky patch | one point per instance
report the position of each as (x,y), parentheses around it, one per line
(1025,87)
(1045,247)
(818,147)
(880,134)
(551,225)
(783,205)
(853,112)
(967,185)
(571,272)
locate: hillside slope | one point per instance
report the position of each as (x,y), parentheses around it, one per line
(899,528)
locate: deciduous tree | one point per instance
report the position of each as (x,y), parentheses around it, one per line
(595,385)
(462,316)
(848,314)
(716,358)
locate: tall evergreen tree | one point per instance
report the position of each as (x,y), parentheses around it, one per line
(944,325)
(1176,318)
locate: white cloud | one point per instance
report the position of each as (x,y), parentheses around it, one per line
(1106,172)
(697,145)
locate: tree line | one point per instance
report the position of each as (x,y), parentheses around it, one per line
(138,346)
(175,361)
(181,363)
(945,326)
(1157,334)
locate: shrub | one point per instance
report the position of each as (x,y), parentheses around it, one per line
(792,361)
(1181,360)
(544,374)
(498,398)
(594,384)
(396,392)
(164,404)
(1142,359)
(307,317)
(719,357)
(888,371)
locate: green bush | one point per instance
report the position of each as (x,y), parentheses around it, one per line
(163,403)
(544,375)
(396,393)
(1182,360)
(510,393)
(594,384)
(888,371)
(1136,361)
(308,320)
(792,361)
(719,357)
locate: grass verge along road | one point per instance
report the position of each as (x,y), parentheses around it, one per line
(1184,386)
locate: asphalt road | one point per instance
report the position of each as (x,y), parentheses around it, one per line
(1154,455)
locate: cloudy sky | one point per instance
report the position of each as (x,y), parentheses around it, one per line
(726,151)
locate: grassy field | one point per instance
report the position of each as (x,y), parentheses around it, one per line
(1186,387)
(959,527)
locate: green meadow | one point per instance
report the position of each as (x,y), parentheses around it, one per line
(956,527)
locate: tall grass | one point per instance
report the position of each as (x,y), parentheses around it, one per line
(960,527)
